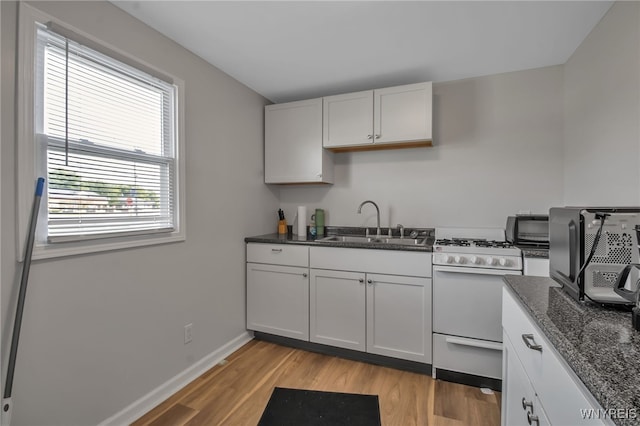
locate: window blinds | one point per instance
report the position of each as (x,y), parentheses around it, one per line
(108,130)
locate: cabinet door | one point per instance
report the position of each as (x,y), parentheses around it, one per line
(519,400)
(348,120)
(399,317)
(293,144)
(403,114)
(278,300)
(337,309)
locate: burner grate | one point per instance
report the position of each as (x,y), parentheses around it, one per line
(483,243)
(494,244)
(453,242)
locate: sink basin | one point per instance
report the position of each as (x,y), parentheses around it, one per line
(406,241)
(348,239)
(373,240)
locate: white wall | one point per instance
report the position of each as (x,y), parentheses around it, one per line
(102,330)
(602,113)
(498,150)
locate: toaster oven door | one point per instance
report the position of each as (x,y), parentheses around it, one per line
(533,231)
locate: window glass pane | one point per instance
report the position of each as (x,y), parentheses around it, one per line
(91,190)
(110,151)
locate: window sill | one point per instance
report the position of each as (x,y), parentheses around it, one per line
(49,251)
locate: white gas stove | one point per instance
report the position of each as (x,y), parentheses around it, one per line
(475,248)
(468,267)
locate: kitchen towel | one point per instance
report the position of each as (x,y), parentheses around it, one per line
(302,221)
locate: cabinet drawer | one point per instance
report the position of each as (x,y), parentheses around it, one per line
(278,254)
(417,264)
(561,392)
(465,355)
(516,325)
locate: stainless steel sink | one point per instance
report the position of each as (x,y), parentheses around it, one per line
(348,239)
(373,240)
(407,241)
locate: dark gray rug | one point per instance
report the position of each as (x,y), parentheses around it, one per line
(289,407)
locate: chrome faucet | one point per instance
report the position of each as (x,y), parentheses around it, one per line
(401,228)
(378,235)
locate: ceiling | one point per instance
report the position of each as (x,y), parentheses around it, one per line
(298,50)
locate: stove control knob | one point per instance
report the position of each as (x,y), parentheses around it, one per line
(504,262)
(475,260)
(491,261)
(446,258)
(460,259)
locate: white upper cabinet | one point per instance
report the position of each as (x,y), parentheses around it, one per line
(381,118)
(293,150)
(297,133)
(348,119)
(403,114)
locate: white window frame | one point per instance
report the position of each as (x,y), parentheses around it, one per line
(28,155)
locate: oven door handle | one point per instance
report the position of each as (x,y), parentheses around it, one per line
(472,270)
(474,343)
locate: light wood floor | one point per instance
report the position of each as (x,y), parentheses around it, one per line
(237,392)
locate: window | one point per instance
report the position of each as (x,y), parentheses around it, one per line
(104,137)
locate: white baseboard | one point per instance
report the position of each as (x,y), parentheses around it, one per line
(145,404)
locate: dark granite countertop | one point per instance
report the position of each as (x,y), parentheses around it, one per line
(541,253)
(312,241)
(598,343)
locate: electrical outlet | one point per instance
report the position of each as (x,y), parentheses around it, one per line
(188,333)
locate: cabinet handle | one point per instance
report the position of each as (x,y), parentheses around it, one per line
(531,344)
(369,136)
(526,404)
(361,280)
(276,250)
(377,136)
(304,274)
(531,418)
(369,282)
(474,343)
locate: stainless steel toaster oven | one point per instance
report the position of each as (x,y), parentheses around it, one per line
(530,230)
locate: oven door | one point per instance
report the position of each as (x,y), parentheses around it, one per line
(467,302)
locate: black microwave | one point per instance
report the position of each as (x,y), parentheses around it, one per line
(590,246)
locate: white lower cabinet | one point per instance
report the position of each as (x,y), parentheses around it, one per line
(337,309)
(278,290)
(277,300)
(375,301)
(522,406)
(399,316)
(379,313)
(534,371)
